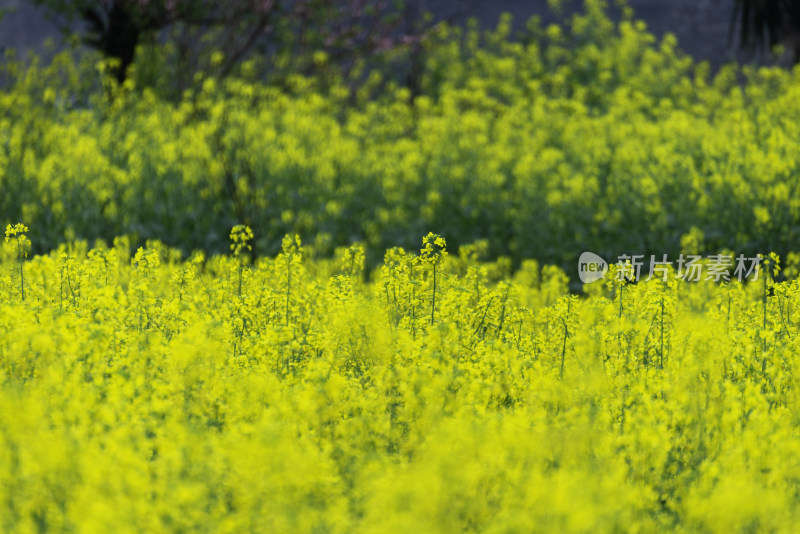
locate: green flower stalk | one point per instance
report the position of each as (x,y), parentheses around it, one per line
(18,233)
(432,253)
(241,235)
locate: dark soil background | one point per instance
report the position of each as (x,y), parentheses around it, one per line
(701,26)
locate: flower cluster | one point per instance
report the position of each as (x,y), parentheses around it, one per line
(240,239)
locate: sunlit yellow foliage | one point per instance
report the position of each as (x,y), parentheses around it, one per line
(286,394)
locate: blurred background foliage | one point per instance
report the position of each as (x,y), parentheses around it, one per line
(586,135)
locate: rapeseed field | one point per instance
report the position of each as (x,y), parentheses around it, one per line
(585,136)
(220,394)
(321,307)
